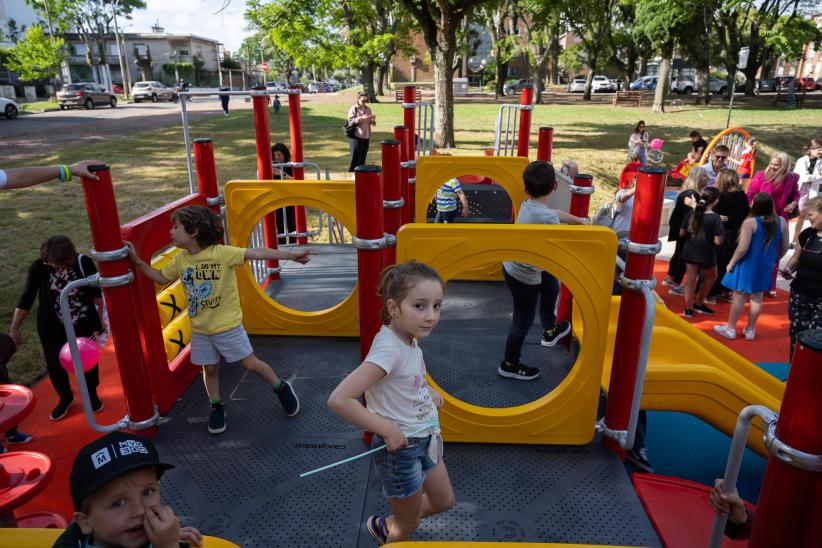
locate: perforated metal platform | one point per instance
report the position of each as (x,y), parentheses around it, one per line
(243,485)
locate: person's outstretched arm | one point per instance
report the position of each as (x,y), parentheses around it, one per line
(301,256)
(23,177)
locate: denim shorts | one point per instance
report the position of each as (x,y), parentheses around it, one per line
(402,472)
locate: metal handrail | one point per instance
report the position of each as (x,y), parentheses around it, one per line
(95,280)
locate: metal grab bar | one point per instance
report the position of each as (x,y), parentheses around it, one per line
(95,280)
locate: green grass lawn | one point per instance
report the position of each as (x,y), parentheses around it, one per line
(149,169)
(39,106)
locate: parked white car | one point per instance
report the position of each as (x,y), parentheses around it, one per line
(153,91)
(577,85)
(601,83)
(686,85)
(9,108)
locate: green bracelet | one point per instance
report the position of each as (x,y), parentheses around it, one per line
(65,173)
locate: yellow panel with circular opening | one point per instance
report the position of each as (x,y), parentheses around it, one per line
(582,258)
(433,171)
(247,202)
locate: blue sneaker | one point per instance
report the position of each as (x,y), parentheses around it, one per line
(19,437)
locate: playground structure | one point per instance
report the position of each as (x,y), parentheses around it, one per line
(617,336)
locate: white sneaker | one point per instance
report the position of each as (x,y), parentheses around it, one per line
(725,331)
(750,334)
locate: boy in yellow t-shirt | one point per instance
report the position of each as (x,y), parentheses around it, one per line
(206,269)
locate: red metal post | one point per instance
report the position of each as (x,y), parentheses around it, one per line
(401,134)
(368,195)
(790,502)
(104,223)
(579,207)
(262,137)
(295,123)
(526,109)
(409,120)
(650,189)
(207,172)
(392,195)
(545,143)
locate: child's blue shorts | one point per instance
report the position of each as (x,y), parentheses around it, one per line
(403,472)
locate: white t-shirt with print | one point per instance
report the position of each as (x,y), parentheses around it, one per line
(402,395)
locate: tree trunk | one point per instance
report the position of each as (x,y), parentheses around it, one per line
(444,98)
(368,81)
(539,74)
(381,78)
(704,83)
(553,46)
(592,68)
(500,69)
(662,81)
(643,66)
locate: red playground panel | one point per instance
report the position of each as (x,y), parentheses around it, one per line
(679,510)
(16,402)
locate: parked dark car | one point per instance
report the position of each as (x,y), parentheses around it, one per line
(514,87)
(85,94)
(782,82)
(767,84)
(819,83)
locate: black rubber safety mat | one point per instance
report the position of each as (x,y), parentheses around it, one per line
(243,485)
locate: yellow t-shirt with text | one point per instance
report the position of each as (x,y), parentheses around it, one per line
(211,287)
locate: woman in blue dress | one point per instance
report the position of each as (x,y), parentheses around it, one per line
(763,240)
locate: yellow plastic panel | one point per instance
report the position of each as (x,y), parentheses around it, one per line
(249,201)
(583,260)
(176,335)
(691,372)
(44,538)
(171,302)
(433,171)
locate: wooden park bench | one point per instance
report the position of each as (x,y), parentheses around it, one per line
(628,97)
(399,94)
(782,97)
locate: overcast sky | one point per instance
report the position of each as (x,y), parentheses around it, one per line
(193,17)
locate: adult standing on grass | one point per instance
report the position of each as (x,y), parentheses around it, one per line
(59,264)
(23,177)
(763,240)
(805,269)
(360,115)
(638,143)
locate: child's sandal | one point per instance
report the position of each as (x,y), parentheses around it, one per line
(376,528)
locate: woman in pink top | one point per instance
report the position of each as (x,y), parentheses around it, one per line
(782,185)
(361,115)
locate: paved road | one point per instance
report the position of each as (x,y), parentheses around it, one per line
(33,134)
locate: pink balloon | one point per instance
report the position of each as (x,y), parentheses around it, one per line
(656,144)
(89,354)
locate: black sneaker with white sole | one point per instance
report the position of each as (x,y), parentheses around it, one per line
(702,309)
(216,421)
(60,411)
(518,371)
(551,336)
(288,399)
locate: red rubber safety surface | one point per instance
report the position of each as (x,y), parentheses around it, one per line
(679,510)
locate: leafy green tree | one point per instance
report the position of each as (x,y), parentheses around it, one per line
(659,22)
(591,21)
(542,23)
(36,55)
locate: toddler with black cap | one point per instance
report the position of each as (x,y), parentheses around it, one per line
(115,487)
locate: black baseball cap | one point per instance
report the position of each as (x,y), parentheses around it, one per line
(109,457)
(362,94)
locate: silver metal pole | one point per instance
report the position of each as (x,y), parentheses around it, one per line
(187,141)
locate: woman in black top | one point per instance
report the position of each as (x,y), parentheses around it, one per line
(805,269)
(286,217)
(733,208)
(57,266)
(685,202)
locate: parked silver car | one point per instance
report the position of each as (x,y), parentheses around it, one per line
(687,85)
(9,108)
(86,95)
(153,91)
(577,85)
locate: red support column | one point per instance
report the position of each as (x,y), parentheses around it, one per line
(526,109)
(104,223)
(650,189)
(545,143)
(207,172)
(392,195)
(790,502)
(368,192)
(409,120)
(401,134)
(262,138)
(295,124)
(580,202)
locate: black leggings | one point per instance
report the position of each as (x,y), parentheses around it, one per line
(53,338)
(676,267)
(359,150)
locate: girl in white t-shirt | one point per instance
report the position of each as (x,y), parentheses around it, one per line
(402,408)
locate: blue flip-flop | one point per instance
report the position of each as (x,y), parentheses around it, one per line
(376,528)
